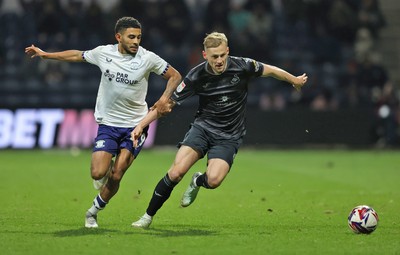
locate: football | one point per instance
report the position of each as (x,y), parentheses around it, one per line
(363,219)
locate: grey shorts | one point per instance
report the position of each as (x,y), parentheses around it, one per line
(212,145)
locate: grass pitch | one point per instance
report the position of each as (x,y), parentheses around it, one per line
(272,202)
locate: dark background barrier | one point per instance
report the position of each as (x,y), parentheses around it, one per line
(285,128)
(48,128)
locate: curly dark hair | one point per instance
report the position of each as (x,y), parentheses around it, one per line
(126,22)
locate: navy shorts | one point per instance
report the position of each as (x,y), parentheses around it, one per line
(113,139)
(211,144)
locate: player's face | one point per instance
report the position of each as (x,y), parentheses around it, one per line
(129,40)
(216,57)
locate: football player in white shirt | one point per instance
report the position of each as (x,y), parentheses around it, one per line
(120,105)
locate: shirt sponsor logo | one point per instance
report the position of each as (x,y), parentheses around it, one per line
(120,77)
(224,101)
(124,78)
(109,75)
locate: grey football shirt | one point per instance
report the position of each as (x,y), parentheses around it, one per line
(223,97)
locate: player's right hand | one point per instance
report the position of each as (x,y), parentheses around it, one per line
(163,107)
(300,81)
(34,51)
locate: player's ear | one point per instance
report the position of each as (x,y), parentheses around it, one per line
(227,50)
(118,37)
(204,54)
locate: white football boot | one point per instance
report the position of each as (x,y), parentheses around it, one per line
(143,222)
(90,220)
(191,192)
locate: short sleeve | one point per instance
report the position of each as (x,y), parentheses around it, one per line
(92,56)
(159,65)
(253,68)
(183,91)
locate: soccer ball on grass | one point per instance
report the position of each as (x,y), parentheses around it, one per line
(363,219)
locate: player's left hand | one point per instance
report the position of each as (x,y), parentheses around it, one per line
(300,81)
(135,134)
(162,106)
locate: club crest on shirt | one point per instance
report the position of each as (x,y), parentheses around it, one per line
(235,79)
(134,65)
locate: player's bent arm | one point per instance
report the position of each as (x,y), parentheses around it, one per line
(68,55)
(174,78)
(152,115)
(163,104)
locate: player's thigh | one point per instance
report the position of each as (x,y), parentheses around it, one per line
(185,158)
(100,163)
(217,170)
(123,161)
(220,159)
(226,151)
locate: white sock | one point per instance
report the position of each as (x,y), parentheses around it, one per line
(93,210)
(98,204)
(147,216)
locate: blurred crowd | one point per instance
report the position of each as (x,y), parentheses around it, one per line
(333,41)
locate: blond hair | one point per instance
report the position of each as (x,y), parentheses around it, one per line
(214,39)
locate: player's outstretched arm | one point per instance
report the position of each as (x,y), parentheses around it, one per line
(68,55)
(297,81)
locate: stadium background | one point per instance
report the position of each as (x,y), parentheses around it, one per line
(349,48)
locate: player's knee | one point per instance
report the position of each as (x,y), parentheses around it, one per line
(116,176)
(213,182)
(175,175)
(96,173)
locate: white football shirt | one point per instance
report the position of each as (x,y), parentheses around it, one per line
(123,86)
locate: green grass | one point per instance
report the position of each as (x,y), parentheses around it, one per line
(272,202)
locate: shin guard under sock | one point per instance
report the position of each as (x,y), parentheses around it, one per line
(161,194)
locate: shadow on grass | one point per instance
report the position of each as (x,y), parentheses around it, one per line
(84,232)
(176,230)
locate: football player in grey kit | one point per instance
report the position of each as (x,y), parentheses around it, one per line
(221,83)
(120,104)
